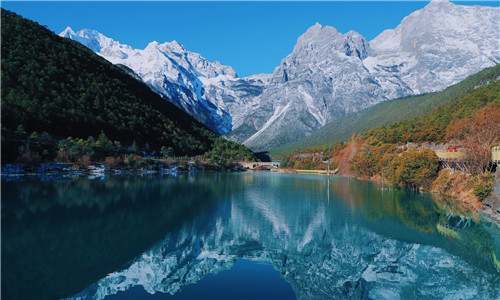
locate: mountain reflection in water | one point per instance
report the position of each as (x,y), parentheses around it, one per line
(352,239)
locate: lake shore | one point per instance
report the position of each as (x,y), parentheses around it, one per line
(490,207)
(55,170)
(134,225)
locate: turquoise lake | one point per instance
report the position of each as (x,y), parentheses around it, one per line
(240,236)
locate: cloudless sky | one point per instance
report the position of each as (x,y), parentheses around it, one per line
(252,37)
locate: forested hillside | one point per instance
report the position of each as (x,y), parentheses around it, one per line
(402,152)
(389,112)
(60,88)
(434,126)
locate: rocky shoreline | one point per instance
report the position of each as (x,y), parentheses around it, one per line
(54,171)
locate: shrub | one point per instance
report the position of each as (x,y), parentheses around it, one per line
(111,162)
(85,161)
(415,168)
(483,185)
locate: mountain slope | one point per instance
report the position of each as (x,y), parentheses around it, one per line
(208,91)
(432,127)
(406,153)
(389,112)
(436,46)
(329,75)
(56,85)
(321,80)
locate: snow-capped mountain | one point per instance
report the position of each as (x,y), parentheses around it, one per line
(328,74)
(437,46)
(322,79)
(208,91)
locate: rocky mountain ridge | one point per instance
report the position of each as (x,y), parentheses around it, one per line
(327,75)
(208,91)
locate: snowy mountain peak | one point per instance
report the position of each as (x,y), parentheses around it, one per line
(450,41)
(90,38)
(327,75)
(176,45)
(172,46)
(316,26)
(66,32)
(356,45)
(439,4)
(316,35)
(152,45)
(185,78)
(327,39)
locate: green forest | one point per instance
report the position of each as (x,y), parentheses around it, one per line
(432,127)
(57,95)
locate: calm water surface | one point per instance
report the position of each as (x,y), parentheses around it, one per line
(247,235)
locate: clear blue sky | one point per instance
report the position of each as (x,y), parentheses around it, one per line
(252,37)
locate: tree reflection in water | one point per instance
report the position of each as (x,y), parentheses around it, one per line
(97,237)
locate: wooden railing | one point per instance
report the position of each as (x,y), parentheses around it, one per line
(462,154)
(448,155)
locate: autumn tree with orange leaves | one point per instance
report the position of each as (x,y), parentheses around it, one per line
(478,133)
